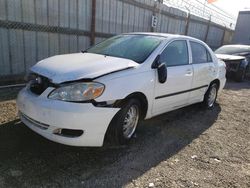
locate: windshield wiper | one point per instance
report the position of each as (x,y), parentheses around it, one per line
(105,54)
(84,51)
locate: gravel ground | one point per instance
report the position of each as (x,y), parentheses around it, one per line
(190,147)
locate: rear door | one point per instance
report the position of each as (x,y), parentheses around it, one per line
(204,70)
(174,92)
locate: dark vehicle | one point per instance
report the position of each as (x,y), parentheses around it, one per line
(237,59)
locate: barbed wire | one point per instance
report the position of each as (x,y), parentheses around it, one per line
(204,10)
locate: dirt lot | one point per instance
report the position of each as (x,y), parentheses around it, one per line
(190,147)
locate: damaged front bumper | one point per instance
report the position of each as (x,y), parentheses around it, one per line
(75,124)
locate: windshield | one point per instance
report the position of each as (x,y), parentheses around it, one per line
(134,47)
(230,50)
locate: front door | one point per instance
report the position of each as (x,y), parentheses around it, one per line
(174,93)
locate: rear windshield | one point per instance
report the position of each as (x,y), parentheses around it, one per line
(230,50)
(134,47)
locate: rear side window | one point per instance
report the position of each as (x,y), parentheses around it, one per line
(175,54)
(199,53)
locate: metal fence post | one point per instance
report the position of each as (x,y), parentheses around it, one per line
(223,36)
(92,29)
(154,14)
(187,24)
(208,27)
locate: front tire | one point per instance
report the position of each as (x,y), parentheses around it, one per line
(124,124)
(211,96)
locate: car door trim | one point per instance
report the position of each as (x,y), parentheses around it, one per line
(180,92)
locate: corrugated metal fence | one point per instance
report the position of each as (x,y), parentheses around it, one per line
(31,30)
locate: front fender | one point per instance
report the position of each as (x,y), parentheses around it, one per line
(119,87)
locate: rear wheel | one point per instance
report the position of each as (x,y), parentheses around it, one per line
(210,96)
(124,124)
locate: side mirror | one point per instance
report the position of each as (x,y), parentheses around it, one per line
(162,73)
(161,70)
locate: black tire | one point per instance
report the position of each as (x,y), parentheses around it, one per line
(206,102)
(240,75)
(115,132)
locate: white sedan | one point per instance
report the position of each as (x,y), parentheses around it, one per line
(103,92)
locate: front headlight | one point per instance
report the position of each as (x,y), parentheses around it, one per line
(78,92)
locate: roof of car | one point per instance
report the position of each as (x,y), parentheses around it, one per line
(167,35)
(238,46)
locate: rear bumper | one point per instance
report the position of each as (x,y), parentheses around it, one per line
(46,117)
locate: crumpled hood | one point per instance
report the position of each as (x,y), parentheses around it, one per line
(70,67)
(229,57)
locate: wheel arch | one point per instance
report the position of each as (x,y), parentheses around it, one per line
(110,135)
(141,97)
(217,81)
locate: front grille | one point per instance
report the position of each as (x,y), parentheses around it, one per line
(34,122)
(38,84)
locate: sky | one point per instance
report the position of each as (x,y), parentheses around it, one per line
(232,6)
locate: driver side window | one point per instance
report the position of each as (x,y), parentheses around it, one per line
(175,54)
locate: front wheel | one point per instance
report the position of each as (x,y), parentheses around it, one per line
(210,96)
(124,124)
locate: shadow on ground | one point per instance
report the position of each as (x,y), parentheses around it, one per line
(27,159)
(233,85)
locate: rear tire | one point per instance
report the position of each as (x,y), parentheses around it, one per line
(124,124)
(211,96)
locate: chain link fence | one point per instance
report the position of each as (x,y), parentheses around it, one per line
(204,10)
(31,30)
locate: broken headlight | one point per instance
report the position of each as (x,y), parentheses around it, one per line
(78,92)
